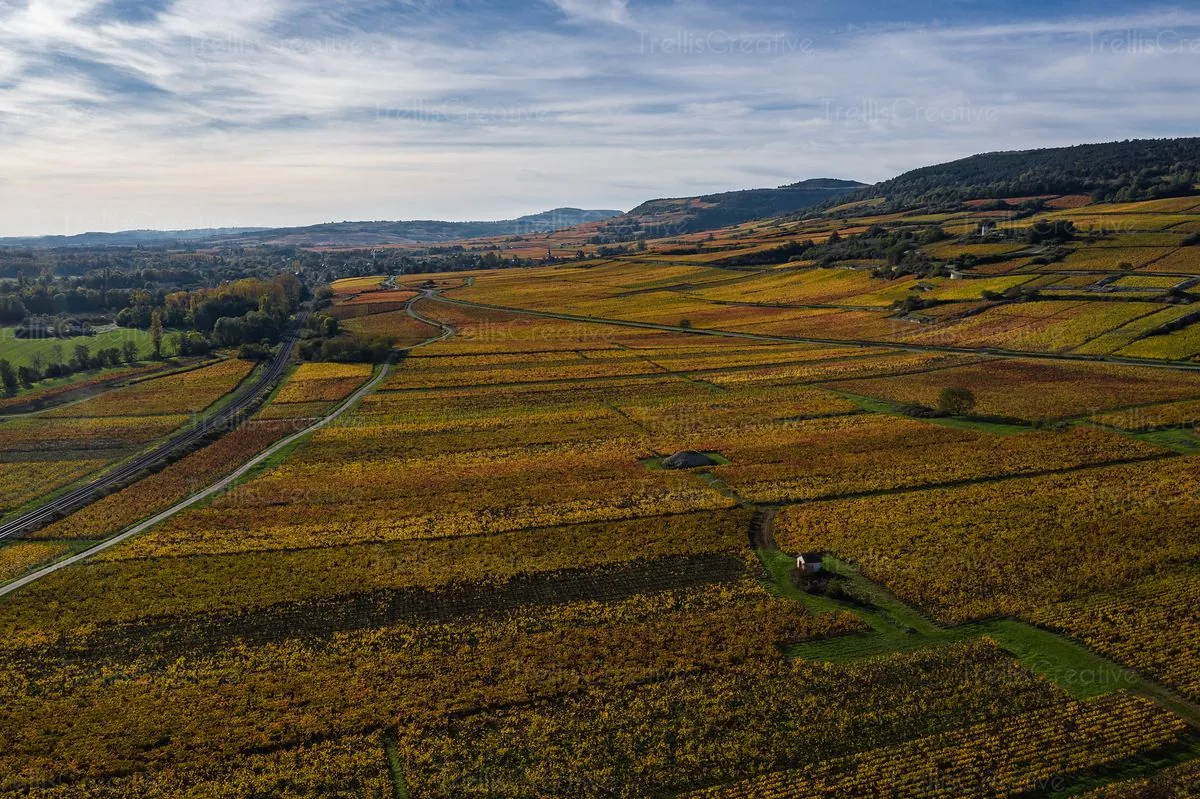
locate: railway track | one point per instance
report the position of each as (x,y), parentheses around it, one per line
(238,474)
(227,416)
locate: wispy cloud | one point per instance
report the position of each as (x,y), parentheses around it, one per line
(615,12)
(177,113)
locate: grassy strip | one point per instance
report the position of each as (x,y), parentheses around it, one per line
(1185,442)
(395,767)
(896,626)
(888,408)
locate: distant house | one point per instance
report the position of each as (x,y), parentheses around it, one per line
(810,563)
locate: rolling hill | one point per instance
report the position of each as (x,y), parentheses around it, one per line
(330,234)
(675,216)
(356,234)
(1125,171)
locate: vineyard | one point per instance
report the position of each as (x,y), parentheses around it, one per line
(483,578)
(1000,548)
(1035,390)
(1134,625)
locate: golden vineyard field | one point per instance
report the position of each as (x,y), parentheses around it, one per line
(482,579)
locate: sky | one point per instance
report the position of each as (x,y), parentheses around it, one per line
(170,114)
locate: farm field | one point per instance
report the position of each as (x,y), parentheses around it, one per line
(1033,390)
(482,581)
(315,388)
(486,579)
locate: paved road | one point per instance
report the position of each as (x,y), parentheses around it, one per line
(447,330)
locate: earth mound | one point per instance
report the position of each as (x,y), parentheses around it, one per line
(688,460)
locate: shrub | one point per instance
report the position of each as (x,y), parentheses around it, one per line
(956,401)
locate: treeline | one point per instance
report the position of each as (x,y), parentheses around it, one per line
(1115,172)
(114,267)
(106,280)
(19,301)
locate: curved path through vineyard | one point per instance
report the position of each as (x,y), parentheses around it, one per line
(231,479)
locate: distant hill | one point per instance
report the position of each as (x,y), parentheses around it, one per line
(128,238)
(331,234)
(668,217)
(363,234)
(1114,172)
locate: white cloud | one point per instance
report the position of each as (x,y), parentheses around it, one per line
(287,111)
(615,12)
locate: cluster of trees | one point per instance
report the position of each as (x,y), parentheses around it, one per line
(1058,231)
(350,348)
(102,280)
(323,340)
(21,300)
(246,311)
(955,401)
(791,251)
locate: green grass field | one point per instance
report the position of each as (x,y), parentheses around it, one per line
(21,352)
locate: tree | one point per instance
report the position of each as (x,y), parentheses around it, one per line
(156,334)
(82,357)
(26,376)
(1051,232)
(130,351)
(12,310)
(956,401)
(8,377)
